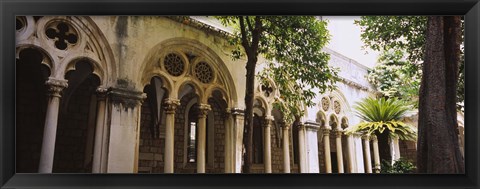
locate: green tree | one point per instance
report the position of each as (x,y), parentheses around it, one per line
(295,44)
(381,117)
(435,42)
(395,76)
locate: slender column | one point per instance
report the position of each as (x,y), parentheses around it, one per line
(99,131)
(301,148)
(338,135)
(55,87)
(267,150)
(237,139)
(326,142)
(228,141)
(366,154)
(170,107)
(202,136)
(286,147)
(376,154)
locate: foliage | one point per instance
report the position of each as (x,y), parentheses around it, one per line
(296,63)
(394,76)
(402,165)
(383,114)
(405,33)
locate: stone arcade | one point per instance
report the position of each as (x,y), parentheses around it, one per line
(160,95)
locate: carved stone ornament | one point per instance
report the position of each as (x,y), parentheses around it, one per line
(204,72)
(325,103)
(56,86)
(171,105)
(203,110)
(336,107)
(63,35)
(174,64)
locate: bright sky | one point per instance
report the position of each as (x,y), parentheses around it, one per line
(346,40)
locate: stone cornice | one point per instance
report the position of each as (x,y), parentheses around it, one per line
(312,126)
(129,98)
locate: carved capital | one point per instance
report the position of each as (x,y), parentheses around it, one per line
(171,105)
(374,138)
(203,110)
(326,132)
(237,112)
(56,86)
(338,133)
(101,93)
(365,137)
(127,97)
(268,121)
(312,126)
(284,126)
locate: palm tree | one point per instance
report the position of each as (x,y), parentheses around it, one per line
(382,118)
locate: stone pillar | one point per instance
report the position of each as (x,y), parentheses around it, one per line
(376,154)
(202,136)
(55,87)
(366,153)
(170,108)
(326,144)
(394,149)
(311,138)
(286,147)
(267,150)
(125,109)
(301,148)
(228,142)
(99,131)
(237,143)
(338,138)
(351,155)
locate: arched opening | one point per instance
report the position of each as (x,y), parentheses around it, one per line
(215,155)
(258,134)
(76,122)
(152,128)
(333,123)
(31,105)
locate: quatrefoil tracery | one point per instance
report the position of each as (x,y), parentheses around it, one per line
(63,35)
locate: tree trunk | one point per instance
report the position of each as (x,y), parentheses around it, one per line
(437,148)
(384,146)
(248,126)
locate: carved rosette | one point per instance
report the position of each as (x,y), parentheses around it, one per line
(203,110)
(336,107)
(325,103)
(56,86)
(171,105)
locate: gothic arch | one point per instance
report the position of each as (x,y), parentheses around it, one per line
(198,52)
(89,43)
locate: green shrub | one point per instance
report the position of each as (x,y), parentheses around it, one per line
(400,166)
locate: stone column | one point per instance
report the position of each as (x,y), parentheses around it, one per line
(267,150)
(311,138)
(170,108)
(301,148)
(286,147)
(338,137)
(202,136)
(326,143)
(376,154)
(228,142)
(99,131)
(237,143)
(351,155)
(125,109)
(366,154)
(55,87)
